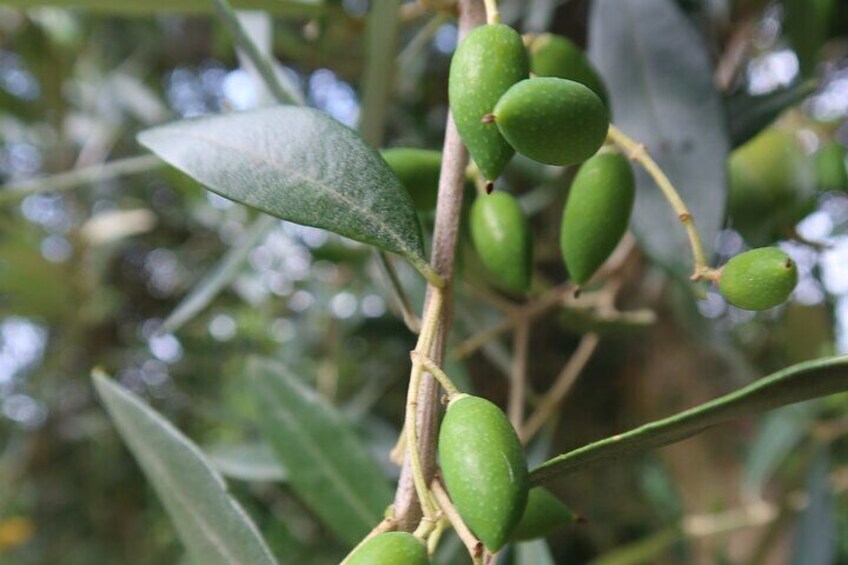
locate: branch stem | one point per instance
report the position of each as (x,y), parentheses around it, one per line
(493,15)
(638,152)
(474,546)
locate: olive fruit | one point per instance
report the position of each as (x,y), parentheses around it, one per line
(596,213)
(501,236)
(758,279)
(390,548)
(484,468)
(772,186)
(418,171)
(544,514)
(487,62)
(831,173)
(553,55)
(552,120)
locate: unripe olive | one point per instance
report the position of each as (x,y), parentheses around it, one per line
(544,514)
(552,120)
(553,55)
(596,213)
(772,186)
(501,236)
(418,171)
(487,62)
(831,173)
(758,279)
(484,468)
(391,548)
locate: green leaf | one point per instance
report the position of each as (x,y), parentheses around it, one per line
(140,7)
(534,552)
(659,76)
(228,268)
(749,115)
(253,462)
(804,381)
(300,165)
(815,532)
(806,24)
(328,466)
(210,523)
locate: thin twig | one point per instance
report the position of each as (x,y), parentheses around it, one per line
(281,92)
(561,386)
(518,378)
(639,153)
(410,318)
(474,545)
(77,177)
(386,525)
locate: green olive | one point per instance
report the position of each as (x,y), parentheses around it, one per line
(487,62)
(501,236)
(391,548)
(758,279)
(553,55)
(418,171)
(831,173)
(772,186)
(484,468)
(544,514)
(596,214)
(552,120)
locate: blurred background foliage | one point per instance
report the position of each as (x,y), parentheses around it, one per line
(89,271)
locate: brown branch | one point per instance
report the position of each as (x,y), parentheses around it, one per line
(407,510)
(518,378)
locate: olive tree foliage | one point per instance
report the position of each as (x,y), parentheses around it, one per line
(203,206)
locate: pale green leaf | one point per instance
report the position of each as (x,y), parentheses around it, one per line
(300,165)
(252,462)
(210,523)
(797,383)
(328,466)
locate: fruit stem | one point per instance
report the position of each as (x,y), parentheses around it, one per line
(422,348)
(638,152)
(387,525)
(474,546)
(436,371)
(493,16)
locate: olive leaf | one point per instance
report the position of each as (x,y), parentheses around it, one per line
(210,523)
(300,165)
(659,76)
(797,383)
(749,114)
(328,466)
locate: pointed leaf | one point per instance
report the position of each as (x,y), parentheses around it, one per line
(297,164)
(210,523)
(327,464)
(804,381)
(750,114)
(659,76)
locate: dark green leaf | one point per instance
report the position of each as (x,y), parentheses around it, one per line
(800,382)
(749,115)
(327,464)
(297,164)
(211,525)
(659,77)
(806,24)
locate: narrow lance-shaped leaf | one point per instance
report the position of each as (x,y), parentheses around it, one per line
(328,466)
(300,165)
(800,382)
(659,76)
(210,523)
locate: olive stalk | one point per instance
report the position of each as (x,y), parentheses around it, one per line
(437,372)
(493,15)
(474,545)
(637,152)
